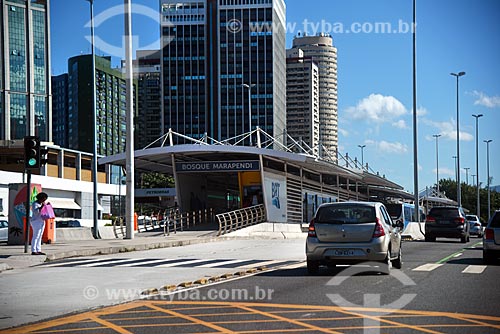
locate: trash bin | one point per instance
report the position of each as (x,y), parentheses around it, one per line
(49,232)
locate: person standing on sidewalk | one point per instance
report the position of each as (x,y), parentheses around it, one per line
(38,224)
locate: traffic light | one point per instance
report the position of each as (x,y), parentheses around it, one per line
(31,152)
(43,156)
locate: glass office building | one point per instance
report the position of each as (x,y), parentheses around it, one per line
(212,48)
(25,70)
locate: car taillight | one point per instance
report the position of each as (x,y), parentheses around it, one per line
(430,219)
(312,230)
(460,220)
(489,234)
(477,225)
(379,230)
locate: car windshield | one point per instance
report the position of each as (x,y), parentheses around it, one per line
(394,209)
(444,212)
(346,214)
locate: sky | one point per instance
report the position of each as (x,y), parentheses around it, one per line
(375,92)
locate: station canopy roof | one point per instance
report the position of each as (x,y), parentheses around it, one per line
(159,159)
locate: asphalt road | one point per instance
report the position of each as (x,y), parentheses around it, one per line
(442,288)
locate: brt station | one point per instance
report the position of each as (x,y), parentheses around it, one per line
(288,182)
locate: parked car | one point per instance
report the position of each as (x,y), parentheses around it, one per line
(447,222)
(491,239)
(476,228)
(68,223)
(4,230)
(353,232)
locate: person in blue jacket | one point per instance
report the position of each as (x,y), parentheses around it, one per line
(37,223)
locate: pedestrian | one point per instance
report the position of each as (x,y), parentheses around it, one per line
(37,224)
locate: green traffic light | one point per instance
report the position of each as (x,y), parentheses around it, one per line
(32,162)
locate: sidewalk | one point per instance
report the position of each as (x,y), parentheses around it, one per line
(13,256)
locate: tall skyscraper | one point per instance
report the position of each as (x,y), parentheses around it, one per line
(216,54)
(110,111)
(60,110)
(322,51)
(147,72)
(25,106)
(302,99)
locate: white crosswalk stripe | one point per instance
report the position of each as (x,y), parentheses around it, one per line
(474,269)
(141,263)
(178,264)
(261,264)
(427,267)
(222,263)
(114,261)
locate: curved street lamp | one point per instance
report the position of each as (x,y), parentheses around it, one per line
(437,162)
(478,211)
(488,173)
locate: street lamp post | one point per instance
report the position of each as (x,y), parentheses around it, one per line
(94,120)
(488,174)
(459,189)
(478,211)
(362,147)
(455,157)
(467,175)
(249,87)
(437,162)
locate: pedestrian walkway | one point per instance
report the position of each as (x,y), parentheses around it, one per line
(13,256)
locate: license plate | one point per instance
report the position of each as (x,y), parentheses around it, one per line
(343,252)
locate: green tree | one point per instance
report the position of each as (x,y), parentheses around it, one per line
(156,180)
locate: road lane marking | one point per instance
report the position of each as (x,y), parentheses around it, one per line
(179,263)
(428,267)
(222,263)
(474,269)
(109,325)
(458,255)
(260,264)
(141,263)
(104,263)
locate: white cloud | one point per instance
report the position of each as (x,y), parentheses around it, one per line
(444,172)
(485,100)
(401,124)
(344,132)
(377,108)
(388,147)
(448,130)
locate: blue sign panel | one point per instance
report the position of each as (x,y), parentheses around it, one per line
(217,166)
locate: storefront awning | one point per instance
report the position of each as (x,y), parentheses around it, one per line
(63,203)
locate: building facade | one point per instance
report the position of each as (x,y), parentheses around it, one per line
(78,129)
(212,48)
(147,72)
(25,104)
(322,51)
(60,110)
(302,100)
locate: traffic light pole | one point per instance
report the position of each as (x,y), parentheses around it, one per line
(28,207)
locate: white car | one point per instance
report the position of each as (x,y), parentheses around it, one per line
(4,230)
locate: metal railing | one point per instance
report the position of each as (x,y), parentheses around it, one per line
(238,219)
(176,220)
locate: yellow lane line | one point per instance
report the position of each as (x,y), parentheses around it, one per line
(292,321)
(109,325)
(380,319)
(485,324)
(189,318)
(70,330)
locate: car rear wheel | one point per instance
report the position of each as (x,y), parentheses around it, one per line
(463,239)
(312,267)
(398,262)
(430,239)
(385,267)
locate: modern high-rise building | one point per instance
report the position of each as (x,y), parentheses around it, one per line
(322,51)
(302,99)
(216,55)
(60,110)
(25,104)
(147,72)
(110,112)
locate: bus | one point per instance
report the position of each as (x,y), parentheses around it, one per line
(404,212)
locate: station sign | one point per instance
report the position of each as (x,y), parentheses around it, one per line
(217,166)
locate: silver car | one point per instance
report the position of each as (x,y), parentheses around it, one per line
(476,228)
(353,232)
(491,239)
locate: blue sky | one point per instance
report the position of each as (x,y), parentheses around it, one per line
(374,74)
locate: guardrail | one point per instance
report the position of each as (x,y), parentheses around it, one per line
(238,219)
